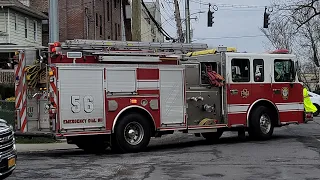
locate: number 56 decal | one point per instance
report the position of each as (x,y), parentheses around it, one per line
(87,104)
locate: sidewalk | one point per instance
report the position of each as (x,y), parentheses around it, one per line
(25,148)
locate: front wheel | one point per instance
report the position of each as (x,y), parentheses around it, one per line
(261,124)
(132,134)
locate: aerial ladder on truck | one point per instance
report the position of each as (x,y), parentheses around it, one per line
(133,45)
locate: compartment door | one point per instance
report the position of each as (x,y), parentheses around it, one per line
(81,98)
(172,96)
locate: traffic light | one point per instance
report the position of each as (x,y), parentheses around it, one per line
(266,19)
(210,18)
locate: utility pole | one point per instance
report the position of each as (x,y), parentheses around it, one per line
(53,21)
(178,21)
(136,20)
(187,9)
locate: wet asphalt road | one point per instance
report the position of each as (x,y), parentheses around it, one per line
(292,154)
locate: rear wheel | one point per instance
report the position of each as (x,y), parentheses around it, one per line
(261,124)
(132,134)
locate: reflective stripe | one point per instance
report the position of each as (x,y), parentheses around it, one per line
(238,108)
(243,108)
(290,107)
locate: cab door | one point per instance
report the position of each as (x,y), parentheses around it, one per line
(287,92)
(261,86)
(239,92)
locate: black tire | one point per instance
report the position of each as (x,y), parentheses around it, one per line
(255,130)
(213,137)
(317,112)
(140,128)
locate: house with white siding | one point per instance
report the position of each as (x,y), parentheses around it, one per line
(20,27)
(19,24)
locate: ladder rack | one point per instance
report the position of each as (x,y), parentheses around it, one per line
(85,44)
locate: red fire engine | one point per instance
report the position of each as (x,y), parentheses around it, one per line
(120,94)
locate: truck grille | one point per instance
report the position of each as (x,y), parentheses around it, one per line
(6,142)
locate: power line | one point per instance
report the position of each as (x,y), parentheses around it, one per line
(229,5)
(166,13)
(230,37)
(163,23)
(155,22)
(145,34)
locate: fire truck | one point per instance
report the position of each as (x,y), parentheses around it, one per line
(100,94)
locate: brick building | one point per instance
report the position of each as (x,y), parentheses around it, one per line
(85,19)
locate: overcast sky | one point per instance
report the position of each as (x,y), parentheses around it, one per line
(236,23)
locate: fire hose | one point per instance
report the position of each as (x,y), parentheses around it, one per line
(214,78)
(33,74)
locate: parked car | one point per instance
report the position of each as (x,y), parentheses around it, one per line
(8,151)
(315,99)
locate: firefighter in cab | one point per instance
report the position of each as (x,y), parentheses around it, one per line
(308,105)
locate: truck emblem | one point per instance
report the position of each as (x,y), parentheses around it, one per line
(285,93)
(244,93)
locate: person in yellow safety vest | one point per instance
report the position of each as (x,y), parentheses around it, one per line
(308,105)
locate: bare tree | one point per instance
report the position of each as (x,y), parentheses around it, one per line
(309,8)
(295,25)
(280,34)
(308,75)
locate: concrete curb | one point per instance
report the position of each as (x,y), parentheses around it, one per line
(44,147)
(44,151)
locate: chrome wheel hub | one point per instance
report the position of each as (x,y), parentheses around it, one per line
(265,123)
(133,133)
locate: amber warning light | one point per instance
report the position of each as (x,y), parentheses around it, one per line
(133,101)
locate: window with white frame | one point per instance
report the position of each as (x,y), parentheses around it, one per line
(35,30)
(26,27)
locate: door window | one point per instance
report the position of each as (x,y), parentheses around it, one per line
(258,70)
(283,70)
(240,69)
